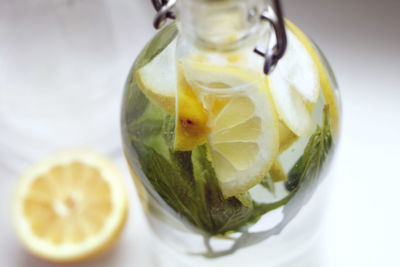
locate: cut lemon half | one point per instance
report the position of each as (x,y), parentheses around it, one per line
(70,206)
(244,138)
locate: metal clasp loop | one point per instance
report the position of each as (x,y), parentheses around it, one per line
(164,11)
(275,50)
(276,46)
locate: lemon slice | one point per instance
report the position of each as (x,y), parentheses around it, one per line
(157,79)
(70,206)
(294,84)
(325,83)
(244,138)
(191,127)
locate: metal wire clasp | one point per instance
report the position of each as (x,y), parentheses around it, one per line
(164,11)
(276,46)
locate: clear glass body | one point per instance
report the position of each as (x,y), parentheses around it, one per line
(268,220)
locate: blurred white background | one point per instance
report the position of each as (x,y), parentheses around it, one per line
(360,38)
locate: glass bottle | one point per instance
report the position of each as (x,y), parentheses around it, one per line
(227,148)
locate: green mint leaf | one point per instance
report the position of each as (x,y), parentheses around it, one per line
(148,129)
(156,46)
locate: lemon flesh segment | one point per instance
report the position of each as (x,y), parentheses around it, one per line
(286,137)
(70,206)
(326,84)
(277,172)
(232,115)
(158,79)
(249,130)
(244,138)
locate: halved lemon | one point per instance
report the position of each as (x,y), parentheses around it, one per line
(70,206)
(244,137)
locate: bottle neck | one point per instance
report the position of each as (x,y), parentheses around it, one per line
(219,25)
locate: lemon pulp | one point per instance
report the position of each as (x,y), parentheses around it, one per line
(70,206)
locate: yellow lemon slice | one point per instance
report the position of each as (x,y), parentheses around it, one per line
(191,117)
(70,206)
(328,91)
(295,83)
(243,138)
(158,78)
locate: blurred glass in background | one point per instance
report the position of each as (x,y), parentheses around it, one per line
(62,68)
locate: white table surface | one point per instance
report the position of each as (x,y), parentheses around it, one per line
(361,39)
